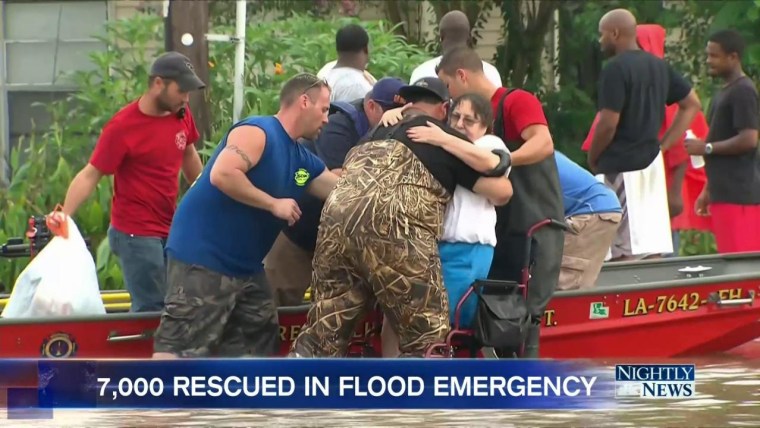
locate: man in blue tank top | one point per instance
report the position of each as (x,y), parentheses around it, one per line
(218,301)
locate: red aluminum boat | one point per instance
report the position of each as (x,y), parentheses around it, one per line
(657,309)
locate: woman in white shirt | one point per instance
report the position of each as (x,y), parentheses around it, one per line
(469,236)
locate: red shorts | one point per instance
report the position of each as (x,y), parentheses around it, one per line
(736,227)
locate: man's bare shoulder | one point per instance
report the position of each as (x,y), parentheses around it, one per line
(246,132)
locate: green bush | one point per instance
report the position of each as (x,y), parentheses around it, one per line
(298,44)
(696,243)
(569,113)
(48,163)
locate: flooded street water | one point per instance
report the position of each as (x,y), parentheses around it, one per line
(728,395)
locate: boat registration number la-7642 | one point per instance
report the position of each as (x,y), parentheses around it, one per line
(685,301)
(669,303)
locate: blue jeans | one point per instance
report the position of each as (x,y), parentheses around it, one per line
(143,265)
(462,264)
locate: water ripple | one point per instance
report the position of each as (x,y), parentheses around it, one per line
(743,382)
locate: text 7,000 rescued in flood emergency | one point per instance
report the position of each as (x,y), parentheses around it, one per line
(357,386)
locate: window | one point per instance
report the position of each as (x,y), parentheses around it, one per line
(42,41)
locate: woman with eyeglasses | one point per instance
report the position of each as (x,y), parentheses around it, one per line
(467,245)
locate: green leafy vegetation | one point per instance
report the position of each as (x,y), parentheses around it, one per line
(303,40)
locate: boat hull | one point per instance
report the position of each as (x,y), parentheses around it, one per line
(657,322)
(663,322)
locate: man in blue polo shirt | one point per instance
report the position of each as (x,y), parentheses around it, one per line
(593,215)
(218,301)
(288,264)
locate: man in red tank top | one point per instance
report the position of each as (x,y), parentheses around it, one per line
(144,146)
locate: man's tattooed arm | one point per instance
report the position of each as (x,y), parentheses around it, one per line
(242,154)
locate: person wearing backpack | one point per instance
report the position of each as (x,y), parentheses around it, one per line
(288,264)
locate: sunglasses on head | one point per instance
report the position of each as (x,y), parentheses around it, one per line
(318,82)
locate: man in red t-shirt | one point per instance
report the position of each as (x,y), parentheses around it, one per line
(521,123)
(144,146)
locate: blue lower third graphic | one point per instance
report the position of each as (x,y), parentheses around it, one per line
(655,380)
(322,384)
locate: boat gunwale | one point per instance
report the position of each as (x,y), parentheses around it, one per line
(673,260)
(598,290)
(652,285)
(301,309)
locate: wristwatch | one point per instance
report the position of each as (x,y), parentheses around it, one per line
(708,148)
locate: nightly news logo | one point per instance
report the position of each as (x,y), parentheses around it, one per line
(654,380)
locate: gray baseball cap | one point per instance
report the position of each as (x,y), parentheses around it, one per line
(177,67)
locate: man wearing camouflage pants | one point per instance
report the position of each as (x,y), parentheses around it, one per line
(378,237)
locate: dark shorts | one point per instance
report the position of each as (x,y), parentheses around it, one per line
(207,313)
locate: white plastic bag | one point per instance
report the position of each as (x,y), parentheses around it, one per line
(60,281)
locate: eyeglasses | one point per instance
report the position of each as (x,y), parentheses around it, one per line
(467,121)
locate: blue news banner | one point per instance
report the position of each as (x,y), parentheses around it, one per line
(306,384)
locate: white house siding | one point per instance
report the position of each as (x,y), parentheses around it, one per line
(40,42)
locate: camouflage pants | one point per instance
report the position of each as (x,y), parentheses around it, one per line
(207,313)
(353,270)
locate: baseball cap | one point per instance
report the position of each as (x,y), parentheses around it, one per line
(385,92)
(425,86)
(177,67)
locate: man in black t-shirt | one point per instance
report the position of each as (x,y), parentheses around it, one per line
(378,237)
(635,86)
(732,162)
(288,264)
